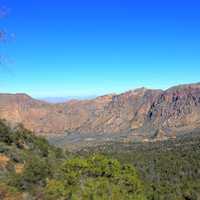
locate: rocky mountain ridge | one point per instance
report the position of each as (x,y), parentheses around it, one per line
(141,112)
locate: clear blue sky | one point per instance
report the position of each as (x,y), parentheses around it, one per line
(92,47)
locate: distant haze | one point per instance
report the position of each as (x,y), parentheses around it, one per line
(64,99)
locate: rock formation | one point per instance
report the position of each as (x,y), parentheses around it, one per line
(141,111)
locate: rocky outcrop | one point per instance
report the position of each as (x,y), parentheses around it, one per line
(141,111)
(176,108)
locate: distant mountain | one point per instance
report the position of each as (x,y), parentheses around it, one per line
(141,113)
(55,99)
(64,99)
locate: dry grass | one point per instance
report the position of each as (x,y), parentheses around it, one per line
(19,168)
(4,160)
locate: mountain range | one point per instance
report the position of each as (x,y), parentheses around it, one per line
(141,113)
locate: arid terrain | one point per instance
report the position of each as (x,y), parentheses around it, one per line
(140,114)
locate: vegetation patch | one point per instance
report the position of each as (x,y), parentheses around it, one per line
(37,170)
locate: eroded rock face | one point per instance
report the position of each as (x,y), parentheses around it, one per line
(133,111)
(176,107)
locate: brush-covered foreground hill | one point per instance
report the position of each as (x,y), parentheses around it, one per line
(139,113)
(170,169)
(31,169)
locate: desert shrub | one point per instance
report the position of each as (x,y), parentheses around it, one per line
(96,177)
(9,193)
(34,174)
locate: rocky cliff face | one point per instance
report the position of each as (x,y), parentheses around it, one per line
(176,108)
(139,111)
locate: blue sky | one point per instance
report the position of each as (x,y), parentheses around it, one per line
(93,47)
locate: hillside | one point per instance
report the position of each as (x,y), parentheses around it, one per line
(31,169)
(170,168)
(139,113)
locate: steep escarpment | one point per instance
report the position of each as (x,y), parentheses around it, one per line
(176,108)
(140,111)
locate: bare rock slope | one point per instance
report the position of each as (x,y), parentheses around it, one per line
(137,112)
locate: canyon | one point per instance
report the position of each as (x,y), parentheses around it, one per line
(140,113)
